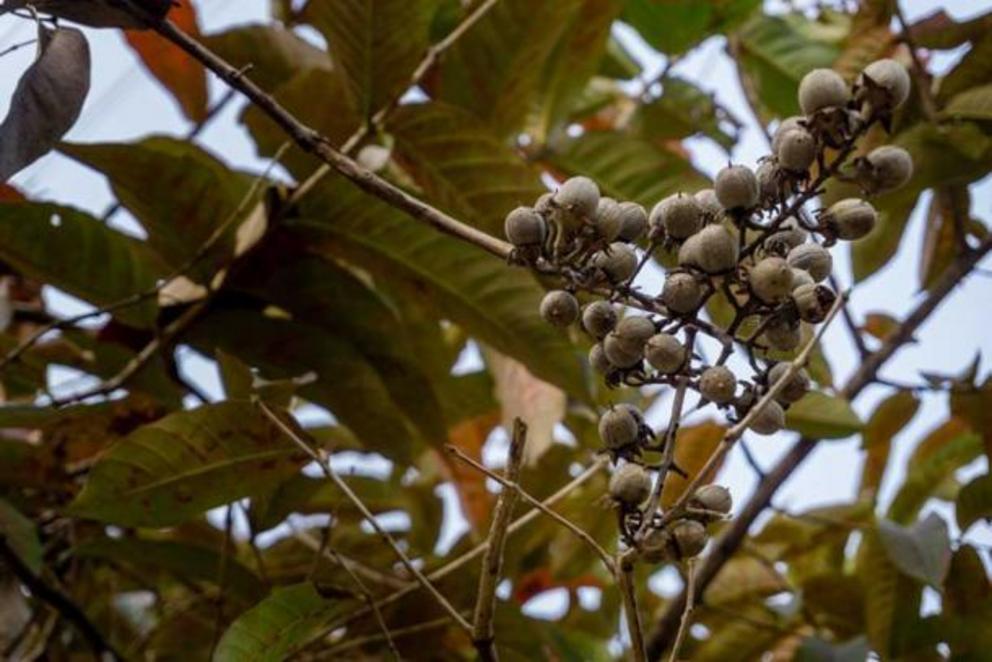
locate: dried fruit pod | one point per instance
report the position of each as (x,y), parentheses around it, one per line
(599,318)
(886,168)
(688,538)
(633,221)
(884,85)
(718,384)
(769,420)
(813,302)
(679,214)
(618,262)
(658,546)
(782,334)
(630,485)
(851,218)
(771,279)
(822,88)
(624,345)
(525,227)
(579,198)
(709,205)
(812,258)
(797,150)
(801,277)
(786,125)
(736,187)
(794,389)
(608,219)
(713,250)
(712,497)
(619,428)
(559,308)
(665,353)
(681,293)
(598,360)
(768,180)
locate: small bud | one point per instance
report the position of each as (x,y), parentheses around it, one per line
(812,258)
(665,353)
(681,293)
(850,219)
(689,538)
(718,384)
(579,197)
(794,389)
(598,360)
(713,249)
(658,546)
(712,497)
(630,485)
(783,335)
(884,85)
(813,302)
(886,168)
(608,219)
(771,279)
(679,214)
(619,428)
(709,204)
(796,151)
(559,308)
(769,420)
(618,262)
(634,221)
(822,88)
(624,346)
(525,227)
(736,187)
(599,318)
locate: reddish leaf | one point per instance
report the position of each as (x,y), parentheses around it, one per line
(183,76)
(10,194)
(469,437)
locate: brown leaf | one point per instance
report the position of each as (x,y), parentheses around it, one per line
(940,244)
(182,75)
(47,101)
(880,325)
(469,437)
(693,447)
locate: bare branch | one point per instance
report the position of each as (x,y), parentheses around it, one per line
(632,615)
(687,612)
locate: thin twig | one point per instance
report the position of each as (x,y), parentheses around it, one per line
(632,615)
(55,598)
(687,612)
(579,532)
(668,459)
(332,475)
(483,632)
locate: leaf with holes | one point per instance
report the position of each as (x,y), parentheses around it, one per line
(922,551)
(179,467)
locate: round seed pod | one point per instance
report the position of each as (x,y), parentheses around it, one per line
(812,258)
(822,88)
(689,538)
(794,389)
(709,204)
(665,353)
(712,497)
(618,262)
(679,214)
(736,187)
(525,227)
(578,196)
(608,218)
(889,168)
(782,335)
(545,204)
(771,279)
(769,420)
(559,308)
(801,277)
(786,125)
(850,219)
(884,84)
(633,221)
(599,318)
(658,546)
(630,485)
(619,428)
(718,384)
(624,346)
(813,302)
(767,175)
(681,293)
(713,249)
(598,360)
(796,150)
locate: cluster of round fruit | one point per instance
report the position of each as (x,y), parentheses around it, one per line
(748,239)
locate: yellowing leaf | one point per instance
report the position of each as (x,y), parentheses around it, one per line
(693,447)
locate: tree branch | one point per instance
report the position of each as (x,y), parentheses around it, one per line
(632,615)
(687,612)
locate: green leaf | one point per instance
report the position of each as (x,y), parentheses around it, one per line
(377,44)
(890,416)
(835,601)
(974,502)
(19,533)
(71,250)
(880,579)
(274,53)
(822,416)
(972,72)
(817,650)
(744,579)
(280,625)
(683,110)
(627,167)
(940,242)
(967,586)
(492,301)
(922,551)
(617,62)
(172,470)
(674,26)
(925,474)
(461,166)
(972,104)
